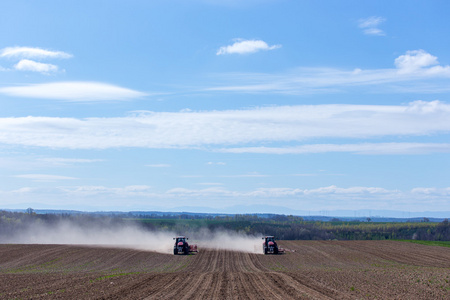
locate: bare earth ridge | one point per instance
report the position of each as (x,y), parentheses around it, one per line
(309,270)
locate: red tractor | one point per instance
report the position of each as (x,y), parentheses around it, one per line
(181,246)
(270,246)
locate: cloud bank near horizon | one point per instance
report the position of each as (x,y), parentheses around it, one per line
(188,129)
(331,197)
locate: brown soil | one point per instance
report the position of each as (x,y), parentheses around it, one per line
(310,270)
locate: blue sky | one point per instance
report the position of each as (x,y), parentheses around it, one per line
(161,105)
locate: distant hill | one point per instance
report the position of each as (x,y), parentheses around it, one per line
(193,212)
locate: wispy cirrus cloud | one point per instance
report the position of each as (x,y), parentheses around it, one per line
(131,190)
(32,52)
(27,57)
(27,163)
(59,161)
(366,149)
(44,177)
(246,47)
(33,66)
(73,91)
(370,25)
(209,129)
(416,70)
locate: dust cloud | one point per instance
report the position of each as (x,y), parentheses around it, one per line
(228,240)
(131,236)
(127,236)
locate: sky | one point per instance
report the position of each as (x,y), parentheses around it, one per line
(226,105)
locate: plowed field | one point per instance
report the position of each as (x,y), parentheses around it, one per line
(310,270)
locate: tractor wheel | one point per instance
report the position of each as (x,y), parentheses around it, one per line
(175,251)
(275,251)
(265,250)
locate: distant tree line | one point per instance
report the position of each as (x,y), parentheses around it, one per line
(307,230)
(296,228)
(281,226)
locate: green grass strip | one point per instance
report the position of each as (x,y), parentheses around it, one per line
(428,243)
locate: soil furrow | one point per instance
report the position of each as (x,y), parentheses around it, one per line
(310,270)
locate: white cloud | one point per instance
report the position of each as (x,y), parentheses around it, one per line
(415,70)
(202,192)
(73,91)
(246,47)
(414,61)
(33,66)
(29,52)
(88,191)
(329,190)
(366,148)
(27,57)
(233,127)
(432,191)
(370,25)
(44,177)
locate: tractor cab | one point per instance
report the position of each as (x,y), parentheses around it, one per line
(181,246)
(269,245)
(180,239)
